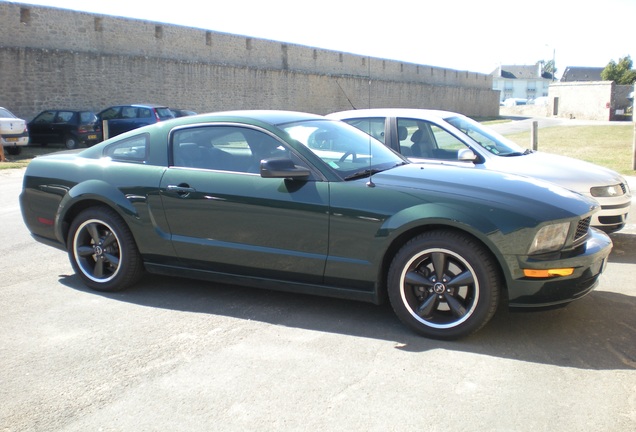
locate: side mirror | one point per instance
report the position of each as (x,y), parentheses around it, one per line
(282,168)
(466,155)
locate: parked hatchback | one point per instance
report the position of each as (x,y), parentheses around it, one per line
(450,138)
(70,127)
(14,133)
(122,118)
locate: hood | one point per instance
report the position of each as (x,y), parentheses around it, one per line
(570,173)
(543,200)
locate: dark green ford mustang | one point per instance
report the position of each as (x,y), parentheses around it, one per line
(298,202)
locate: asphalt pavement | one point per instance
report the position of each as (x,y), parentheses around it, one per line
(179,355)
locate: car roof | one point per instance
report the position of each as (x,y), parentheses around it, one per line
(139,105)
(65,109)
(267,116)
(394,112)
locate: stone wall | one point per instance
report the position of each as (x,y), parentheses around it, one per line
(58,58)
(593,100)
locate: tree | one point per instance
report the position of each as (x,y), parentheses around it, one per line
(549,69)
(621,72)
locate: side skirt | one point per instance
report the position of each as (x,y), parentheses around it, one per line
(277,285)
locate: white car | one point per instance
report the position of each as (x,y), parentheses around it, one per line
(434,136)
(14,133)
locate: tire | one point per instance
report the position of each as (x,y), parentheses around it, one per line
(444,285)
(102,250)
(13,151)
(70,142)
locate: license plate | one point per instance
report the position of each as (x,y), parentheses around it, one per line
(92,137)
(11,139)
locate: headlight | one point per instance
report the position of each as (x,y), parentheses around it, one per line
(607,191)
(549,238)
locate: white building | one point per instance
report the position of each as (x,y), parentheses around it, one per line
(521,83)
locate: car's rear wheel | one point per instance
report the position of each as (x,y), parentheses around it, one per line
(444,285)
(70,142)
(102,250)
(13,151)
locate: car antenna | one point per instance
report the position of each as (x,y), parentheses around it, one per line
(370,181)
(345,94)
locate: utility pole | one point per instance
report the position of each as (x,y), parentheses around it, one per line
(634,142)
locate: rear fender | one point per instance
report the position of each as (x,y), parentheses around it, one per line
(91,191)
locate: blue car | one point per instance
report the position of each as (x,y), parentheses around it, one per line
(123,118)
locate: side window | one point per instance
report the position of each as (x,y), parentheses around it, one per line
(128,112)
(448,145)
(45,118)
(373,126)
(133,149)
(406,135)
(64,117)
(427,140)
(111,113)
(224,148)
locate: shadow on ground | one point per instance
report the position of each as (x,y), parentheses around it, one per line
(596,332)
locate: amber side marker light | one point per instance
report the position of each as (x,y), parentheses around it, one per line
(548,272)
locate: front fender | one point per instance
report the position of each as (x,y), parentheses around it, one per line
(435,213)
(493,227)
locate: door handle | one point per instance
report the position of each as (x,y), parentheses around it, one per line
(181,190)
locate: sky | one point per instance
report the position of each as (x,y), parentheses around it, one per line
(468,35)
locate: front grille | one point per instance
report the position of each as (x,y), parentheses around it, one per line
(581,228)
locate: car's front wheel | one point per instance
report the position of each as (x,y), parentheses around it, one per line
(102,250)
(444,285)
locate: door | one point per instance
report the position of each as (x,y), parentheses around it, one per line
(41,128)
(225,218)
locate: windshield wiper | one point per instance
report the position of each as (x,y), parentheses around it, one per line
(363,174)
(370,171)
(527,152)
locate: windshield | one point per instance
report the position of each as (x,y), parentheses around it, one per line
(487,138)
(345,149)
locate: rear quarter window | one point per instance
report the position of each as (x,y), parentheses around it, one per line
(134,149)
(144,113)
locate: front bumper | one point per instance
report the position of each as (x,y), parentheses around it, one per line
(614,210)
(588,264)
(612,217)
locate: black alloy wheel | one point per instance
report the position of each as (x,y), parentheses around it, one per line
(102,250)
(444,285)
